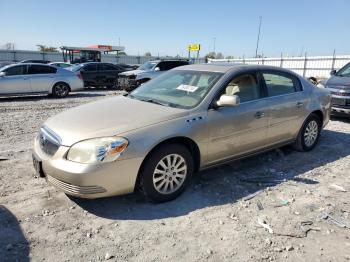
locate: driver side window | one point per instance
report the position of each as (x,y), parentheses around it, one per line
(245,86)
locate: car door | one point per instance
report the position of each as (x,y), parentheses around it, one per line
(287,105)
(41,77)
(15,80)
(108,74)
(90,74)
(240,129)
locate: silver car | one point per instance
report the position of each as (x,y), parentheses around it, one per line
(339,86)
(190,118)
(32,78)
(130,80)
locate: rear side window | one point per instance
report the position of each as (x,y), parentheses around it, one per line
(90,67)
(105,67)
(167,65)
(41,69)
(281,84)
(16,70)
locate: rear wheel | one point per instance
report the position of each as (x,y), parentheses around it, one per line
(60,90)
(309,134)
(166,173)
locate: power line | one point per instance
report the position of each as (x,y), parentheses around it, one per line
(257,42)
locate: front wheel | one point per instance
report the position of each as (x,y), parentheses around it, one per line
(309,134)
(60,90)
(166,173)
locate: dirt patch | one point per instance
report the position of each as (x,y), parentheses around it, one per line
(278,206)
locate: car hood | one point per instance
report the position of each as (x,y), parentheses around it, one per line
(108,117)
(338,82)
(133,72)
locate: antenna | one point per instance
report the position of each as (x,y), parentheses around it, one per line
(257,42)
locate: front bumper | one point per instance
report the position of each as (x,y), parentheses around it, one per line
(87,180)
(340,104)
(127,83)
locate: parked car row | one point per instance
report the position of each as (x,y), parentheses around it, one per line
(93,74)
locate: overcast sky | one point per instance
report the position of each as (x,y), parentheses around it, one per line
(292,27)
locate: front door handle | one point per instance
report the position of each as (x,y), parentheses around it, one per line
(300,104)
(259,114)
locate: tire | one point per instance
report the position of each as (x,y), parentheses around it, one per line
(60,90)
(157,182)
(309,134)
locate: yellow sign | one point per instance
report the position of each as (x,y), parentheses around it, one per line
(194,47)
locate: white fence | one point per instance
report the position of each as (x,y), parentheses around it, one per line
(307,66)
(19,55)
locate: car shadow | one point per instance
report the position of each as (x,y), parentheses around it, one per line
(341,118)
(29,98)
(13,244)
(229,183)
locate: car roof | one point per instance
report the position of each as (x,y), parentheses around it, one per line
(226,67)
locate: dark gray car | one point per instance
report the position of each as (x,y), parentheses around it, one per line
(339,85)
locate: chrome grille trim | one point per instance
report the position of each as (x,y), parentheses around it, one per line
(77,190)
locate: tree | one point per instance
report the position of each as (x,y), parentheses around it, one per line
(210,55)
(121,53)
(213,55)
(219,56)
(148,54)
(230,57)
(44,48)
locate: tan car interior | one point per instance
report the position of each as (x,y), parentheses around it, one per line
(245,87)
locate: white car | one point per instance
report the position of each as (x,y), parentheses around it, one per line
(30,78)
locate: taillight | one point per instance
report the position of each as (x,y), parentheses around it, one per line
(80,76)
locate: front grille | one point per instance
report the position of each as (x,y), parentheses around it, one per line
(75,190)
(340,101)
(49,142)
(340,93)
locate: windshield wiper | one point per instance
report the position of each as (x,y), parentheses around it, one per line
(155,102)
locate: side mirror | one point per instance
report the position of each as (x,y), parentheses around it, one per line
(227,100)
(333,72)
(2,74)
(157,69)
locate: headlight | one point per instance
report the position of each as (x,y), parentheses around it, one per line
(320,85)
(97,150)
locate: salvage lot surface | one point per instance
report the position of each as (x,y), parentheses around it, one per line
(303,197)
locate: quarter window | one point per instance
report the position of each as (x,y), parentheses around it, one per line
(280,84)
(245,86)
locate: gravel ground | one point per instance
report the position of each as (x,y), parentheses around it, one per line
(303,200)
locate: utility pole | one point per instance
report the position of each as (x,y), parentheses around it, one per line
(257,42)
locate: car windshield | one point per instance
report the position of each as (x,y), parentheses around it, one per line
(177,88)
(147,66)
(75,68)
(345,71)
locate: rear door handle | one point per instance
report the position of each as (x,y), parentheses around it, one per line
(259,114)
(300,104)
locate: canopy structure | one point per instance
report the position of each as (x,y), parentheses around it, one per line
(87,54)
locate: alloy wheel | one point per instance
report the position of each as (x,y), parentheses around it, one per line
(311,133)
(169,174)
